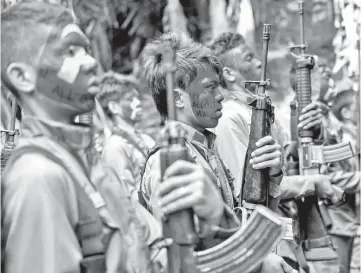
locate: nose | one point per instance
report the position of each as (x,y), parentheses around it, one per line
(91,65)
(258,64)
(219,97)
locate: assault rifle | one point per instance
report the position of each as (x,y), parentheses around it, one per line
(313,214)
(179,225)
(256,182)
(10,133)
(245,247)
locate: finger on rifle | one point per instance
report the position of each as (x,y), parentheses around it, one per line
(265,157)
(266,149)
(179,167)
(174,195)
(182,203)
(267,164)
(306,123)
(265,140)
(178,181)
(309,114)
(333,197)
(314,123)
(312,105)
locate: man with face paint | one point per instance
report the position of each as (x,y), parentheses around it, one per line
(126,150)
(198,102)
(64,209)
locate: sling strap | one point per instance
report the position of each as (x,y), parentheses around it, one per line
(89,227)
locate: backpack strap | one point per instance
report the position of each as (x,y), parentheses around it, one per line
(144,200)
(89,227)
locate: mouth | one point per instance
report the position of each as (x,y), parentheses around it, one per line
(93,86)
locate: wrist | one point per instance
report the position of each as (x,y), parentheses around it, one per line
(275,173)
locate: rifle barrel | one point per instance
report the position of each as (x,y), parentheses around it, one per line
(266,38)
(169,56)
(302,24)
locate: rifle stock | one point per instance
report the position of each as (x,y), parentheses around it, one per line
(255,182)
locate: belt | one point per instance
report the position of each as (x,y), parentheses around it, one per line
(318,243)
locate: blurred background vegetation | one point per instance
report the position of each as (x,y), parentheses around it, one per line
(119,30)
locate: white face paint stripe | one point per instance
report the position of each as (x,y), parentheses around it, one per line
(69,70)
(72,28)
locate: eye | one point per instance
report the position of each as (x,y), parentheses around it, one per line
(249,57)
(213,86)
(72,50)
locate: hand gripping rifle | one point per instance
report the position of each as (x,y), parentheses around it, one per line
(245,248)
(256,182)
(9,145)
(313,215)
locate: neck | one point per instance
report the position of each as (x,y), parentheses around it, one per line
(122,124)
(57,115)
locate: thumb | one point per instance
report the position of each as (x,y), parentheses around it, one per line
(287,268)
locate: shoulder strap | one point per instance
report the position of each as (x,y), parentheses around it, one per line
(137,144)
(89,227)
(143,200)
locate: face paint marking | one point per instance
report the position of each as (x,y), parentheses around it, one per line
(135,109)
(69,70)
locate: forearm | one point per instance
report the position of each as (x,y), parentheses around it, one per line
(347,181)
(296,186)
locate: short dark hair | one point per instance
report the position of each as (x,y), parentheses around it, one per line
(21,37)
(113,87)
(343,99)
(189,55)
(224,44)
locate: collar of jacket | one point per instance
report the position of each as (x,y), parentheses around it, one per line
(205,140)
(75,135)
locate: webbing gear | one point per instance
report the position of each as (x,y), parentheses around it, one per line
(318,243)
(89,227)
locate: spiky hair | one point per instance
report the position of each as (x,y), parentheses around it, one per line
(189,57)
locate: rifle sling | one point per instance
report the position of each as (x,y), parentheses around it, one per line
(89,231)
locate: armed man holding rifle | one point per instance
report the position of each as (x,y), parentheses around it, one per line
(198,105)
(233,132)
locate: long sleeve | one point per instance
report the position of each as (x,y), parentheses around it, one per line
(348,181)
(39,212)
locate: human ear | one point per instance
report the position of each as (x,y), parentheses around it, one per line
(345,113)
(228,74)
(22,77)
(178,97)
